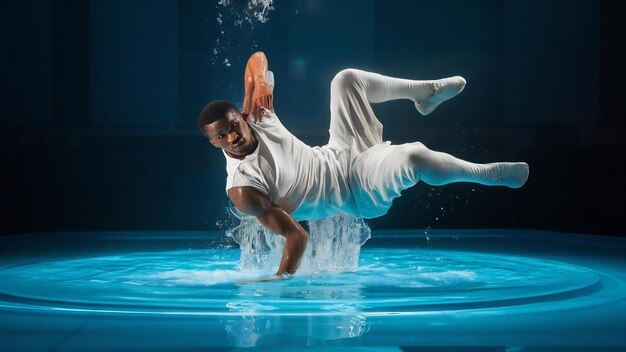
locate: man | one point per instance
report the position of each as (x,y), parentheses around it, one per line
(277,178)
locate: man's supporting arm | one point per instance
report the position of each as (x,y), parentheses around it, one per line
(252,202)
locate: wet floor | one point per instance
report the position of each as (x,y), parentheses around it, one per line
(494,290)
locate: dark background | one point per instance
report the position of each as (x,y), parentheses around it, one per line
(100,98)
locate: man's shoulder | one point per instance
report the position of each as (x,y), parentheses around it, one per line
(249,200)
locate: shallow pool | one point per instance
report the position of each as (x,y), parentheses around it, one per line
(455,290)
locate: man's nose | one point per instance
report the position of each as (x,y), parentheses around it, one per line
(231,137)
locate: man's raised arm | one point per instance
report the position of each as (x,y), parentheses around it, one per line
(252,202)
(258,93)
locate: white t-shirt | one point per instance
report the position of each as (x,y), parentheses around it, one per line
(307,182)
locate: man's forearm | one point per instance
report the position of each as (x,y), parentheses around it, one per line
(252,202)
(295,245)
(258,93)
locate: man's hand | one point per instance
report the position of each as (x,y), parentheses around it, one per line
(257,92)
(250,201)
(263,97)
(265,279)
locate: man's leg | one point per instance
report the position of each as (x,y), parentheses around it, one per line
(426,94)
(410,163)
(351,92)
(353,124)
(437,168)
(381,173)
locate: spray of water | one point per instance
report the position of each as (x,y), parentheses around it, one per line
(334,245)
(236,21)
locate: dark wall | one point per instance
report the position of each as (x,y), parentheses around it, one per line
(134,63)
(100,99)
(26,87)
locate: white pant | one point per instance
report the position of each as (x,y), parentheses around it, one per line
(379,171)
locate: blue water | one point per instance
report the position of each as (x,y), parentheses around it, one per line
(444,290)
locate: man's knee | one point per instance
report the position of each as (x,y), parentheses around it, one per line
(345,79)
(417,154)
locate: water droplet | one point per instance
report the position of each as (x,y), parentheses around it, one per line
(235,17)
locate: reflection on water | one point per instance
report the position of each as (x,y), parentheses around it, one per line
(258,330)
(251,327)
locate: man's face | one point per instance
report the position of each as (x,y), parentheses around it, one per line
(232,134)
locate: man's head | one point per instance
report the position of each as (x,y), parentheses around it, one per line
(223,124)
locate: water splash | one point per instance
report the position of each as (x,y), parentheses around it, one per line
(259,9)
(236,21)
(334,245)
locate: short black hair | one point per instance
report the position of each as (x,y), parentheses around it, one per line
(214,111)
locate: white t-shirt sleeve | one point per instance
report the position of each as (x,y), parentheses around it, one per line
(248,177)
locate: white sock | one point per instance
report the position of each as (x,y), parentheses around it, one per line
(438,168)
(512,175)
(443,89)
(426,95)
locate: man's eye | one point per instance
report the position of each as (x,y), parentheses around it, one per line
(221,136)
